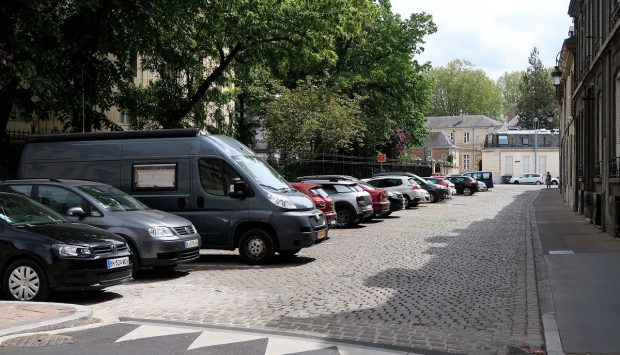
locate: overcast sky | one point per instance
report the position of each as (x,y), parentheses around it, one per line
(495,35)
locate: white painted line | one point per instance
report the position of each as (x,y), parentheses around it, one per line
(151,331)
(212,338)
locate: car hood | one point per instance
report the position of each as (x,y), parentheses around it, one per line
(154,218)
(74,233)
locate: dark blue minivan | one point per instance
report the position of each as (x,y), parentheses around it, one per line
(484,176)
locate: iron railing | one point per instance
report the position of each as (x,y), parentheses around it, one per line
(598,169)
(615,15)
(614,167)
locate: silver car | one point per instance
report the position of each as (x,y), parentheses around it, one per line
(403,184)
(158,239)
(352,204)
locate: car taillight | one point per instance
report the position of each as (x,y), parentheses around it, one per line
(414,186)
(320,204)
(384,197)
(360,200)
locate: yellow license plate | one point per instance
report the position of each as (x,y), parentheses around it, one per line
(321,234)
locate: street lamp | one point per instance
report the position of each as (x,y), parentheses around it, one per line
(536,125)
(557,75)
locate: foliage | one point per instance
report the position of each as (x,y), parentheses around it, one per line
(460,87)
(312,117)
(510,87)
(450,158)
(537,95)
(57,57)
(379,64)
(399,140)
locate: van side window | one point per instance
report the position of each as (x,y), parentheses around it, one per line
(59,199)
(154,177)
(486,175)
(17,189)
(216,176)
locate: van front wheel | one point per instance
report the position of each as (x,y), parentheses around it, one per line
(256,247)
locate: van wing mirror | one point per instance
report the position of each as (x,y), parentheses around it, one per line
(238,189)
(76,212)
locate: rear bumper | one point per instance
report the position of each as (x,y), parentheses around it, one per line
(380,208)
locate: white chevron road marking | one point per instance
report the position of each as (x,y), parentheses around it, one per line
(211,338)
(150,331)
(285,345)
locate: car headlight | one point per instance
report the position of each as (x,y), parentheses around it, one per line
(65,250)
(160,232)
(281,201)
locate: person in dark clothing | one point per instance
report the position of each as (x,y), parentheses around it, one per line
(548,180)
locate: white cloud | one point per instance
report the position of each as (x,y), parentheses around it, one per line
(496,36)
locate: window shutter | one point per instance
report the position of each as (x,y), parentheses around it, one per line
(617,108)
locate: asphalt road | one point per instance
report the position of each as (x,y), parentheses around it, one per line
(455,276)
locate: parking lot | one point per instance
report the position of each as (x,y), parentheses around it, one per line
(452,276)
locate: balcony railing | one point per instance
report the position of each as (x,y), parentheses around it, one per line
(598,169)
(614,167)
(615,15)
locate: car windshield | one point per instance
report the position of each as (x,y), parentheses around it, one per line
(19,211)
(112,199)
(260,171)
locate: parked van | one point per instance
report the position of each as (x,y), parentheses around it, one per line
(232,197)
(484,176)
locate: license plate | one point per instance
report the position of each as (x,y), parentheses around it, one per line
(118,262)
(321,234)
(191,243)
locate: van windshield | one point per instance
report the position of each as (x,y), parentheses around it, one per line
(260,171)
(112,199)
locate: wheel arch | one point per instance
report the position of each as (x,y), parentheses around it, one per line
(24,256)
(246,226)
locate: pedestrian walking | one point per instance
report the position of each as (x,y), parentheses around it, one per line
(548,180)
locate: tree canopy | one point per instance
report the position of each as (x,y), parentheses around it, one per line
(460,87)
(537,95)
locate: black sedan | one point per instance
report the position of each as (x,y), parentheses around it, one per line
(464,184)
(41,251)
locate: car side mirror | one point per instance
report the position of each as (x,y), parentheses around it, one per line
(76,212)
(238,189)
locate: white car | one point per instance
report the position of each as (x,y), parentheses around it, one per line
(530,178)
(482,186)
(404,184)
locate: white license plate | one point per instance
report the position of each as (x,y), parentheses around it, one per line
(118,262)
(191,243)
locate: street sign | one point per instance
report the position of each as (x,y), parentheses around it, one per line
(381,158)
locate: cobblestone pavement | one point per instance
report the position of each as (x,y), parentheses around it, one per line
(455,276)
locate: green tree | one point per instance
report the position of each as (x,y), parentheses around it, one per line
(537,95)
(510,87)
(461,87)
(312,117)
(57,57)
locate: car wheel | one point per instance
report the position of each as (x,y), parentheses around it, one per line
(538,183)
(289,253)
(24,280)
(256,247)
(409,203)
(434,197)
(345,217)
(516,182)
(467,191)
(554,182)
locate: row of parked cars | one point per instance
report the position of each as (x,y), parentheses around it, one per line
(90,210)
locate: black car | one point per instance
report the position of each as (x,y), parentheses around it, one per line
(464,184)
(41,251)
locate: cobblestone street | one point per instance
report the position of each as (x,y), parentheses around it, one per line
(454,276)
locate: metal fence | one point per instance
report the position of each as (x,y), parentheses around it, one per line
(335,164)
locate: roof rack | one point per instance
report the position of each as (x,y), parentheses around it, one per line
(67,137)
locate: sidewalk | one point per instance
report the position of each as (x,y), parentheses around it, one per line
(22,317)
(577,269)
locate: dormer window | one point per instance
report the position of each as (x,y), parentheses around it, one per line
(502,140)
(525,141)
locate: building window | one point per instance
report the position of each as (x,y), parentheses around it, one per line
(452,137)
(525,141)
(124,117)
(466,161)
(502,140)
(466,137)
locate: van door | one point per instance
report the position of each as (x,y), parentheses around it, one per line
(163,184)
(214,212)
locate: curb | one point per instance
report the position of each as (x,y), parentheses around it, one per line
(82,315)
(553,343)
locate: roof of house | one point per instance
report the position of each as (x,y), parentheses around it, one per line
(464,121)
(439,140)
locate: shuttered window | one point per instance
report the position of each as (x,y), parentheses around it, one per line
(617,109)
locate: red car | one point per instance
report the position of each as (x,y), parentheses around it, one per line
(380,202)
(320,198)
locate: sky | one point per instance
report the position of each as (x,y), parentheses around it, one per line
(495,35)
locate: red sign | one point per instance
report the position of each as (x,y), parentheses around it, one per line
(381,158)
